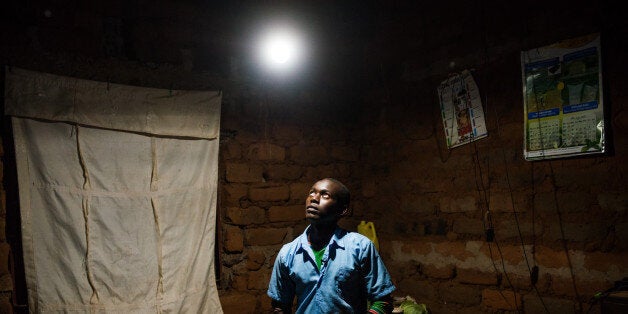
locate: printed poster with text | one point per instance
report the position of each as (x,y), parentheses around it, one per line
(461,110)
(562,97)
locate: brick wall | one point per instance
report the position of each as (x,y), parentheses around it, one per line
(565,216)
(267,166)
(382,136)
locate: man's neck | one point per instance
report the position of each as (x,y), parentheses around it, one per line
(319,236)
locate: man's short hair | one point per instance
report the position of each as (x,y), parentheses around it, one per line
(344,196)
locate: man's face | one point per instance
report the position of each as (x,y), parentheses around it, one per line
(322,206)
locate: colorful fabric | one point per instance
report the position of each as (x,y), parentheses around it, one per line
(318,256)
(381,307)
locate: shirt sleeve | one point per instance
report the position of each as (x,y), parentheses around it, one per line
(281,288)
(376,276)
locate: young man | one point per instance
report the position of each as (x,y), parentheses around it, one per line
(329,269)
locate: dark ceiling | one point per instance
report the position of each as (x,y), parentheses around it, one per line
(352,42)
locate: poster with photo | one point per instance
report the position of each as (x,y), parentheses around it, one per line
(562,98)
(461,109)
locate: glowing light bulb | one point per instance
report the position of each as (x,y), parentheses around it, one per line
(281,49)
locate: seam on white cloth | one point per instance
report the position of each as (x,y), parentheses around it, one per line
(87,186)
(23,167)
(69,189)
(191,293)
(153,187)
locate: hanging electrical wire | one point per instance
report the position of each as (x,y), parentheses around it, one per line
(490,232)
(487,223)
(553,181)
(533,271)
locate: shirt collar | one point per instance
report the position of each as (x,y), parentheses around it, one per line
(337,239)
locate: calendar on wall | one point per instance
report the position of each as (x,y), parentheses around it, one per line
(562,98)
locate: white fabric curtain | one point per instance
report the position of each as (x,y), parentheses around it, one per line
(117,194)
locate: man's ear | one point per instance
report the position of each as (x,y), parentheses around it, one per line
(346,211)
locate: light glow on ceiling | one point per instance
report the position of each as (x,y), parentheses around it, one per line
(281,49)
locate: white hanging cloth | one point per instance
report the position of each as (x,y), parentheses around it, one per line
(118,190)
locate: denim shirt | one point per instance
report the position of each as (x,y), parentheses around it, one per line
(352,272)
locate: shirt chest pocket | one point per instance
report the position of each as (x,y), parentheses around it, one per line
(349,282)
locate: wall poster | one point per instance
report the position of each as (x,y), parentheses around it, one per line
(461,110)
(562,98)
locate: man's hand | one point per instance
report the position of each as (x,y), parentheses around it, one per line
(280,308)
(382,305)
